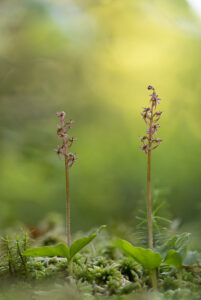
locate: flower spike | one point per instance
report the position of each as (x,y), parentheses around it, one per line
(151,117)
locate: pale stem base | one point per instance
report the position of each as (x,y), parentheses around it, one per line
(67,204)
(149,210)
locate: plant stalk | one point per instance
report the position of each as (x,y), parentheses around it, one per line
(149,214)
(179,276)
(67,199)
(149,210)
(154,279)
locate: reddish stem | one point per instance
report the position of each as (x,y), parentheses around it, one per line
(67,189)
(149,211)
(67,200)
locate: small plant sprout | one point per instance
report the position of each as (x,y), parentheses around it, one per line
(69,158)
(61,250)
(149,143)
(171,253)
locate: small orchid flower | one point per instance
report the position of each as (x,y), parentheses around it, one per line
(151,118)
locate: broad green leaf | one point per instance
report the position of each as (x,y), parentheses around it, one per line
(173,258)
(146,257)
(81,243)
(60,250)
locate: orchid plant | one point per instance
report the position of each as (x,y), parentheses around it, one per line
(62,250)
(149,143)
(147,257)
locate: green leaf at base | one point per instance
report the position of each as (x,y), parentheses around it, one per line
(173,258)
(60,250)
(146,257)
(81,243)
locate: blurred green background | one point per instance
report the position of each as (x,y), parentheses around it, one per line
(94,60)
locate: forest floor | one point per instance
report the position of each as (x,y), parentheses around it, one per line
(98,272)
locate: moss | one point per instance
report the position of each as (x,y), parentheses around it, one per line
(89,275)
(129,268)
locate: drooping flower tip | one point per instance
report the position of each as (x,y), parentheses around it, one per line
(70,122)
(71,159)
(150,87)
(145,109)
(158,113)
(59,150)
(157,140)
(72,139)
(61,114)
(144,148)
(143,138)
(61,132)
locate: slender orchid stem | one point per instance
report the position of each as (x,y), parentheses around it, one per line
(149,209)
(69,158)
(67,200)
(154,279)
(68,233)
